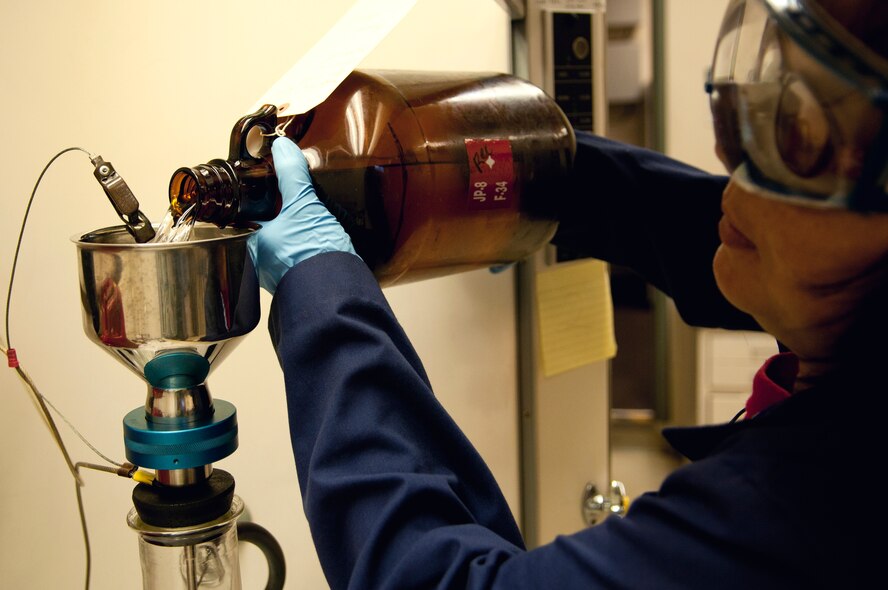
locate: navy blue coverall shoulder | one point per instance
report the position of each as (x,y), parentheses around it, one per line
(396,496)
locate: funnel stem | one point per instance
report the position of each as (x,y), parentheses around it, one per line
(184,477)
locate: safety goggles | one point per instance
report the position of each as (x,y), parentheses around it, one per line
(800,107)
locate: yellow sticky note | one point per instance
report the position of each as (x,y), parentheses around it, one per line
(576,316)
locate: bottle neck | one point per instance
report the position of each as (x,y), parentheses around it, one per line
(212,189)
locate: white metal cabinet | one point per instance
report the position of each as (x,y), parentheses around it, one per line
(564,417)
(727,362)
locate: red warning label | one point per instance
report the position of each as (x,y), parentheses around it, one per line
(491,174)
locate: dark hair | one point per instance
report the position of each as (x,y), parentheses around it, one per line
(867,20)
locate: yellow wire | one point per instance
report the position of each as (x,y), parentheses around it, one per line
(143,476)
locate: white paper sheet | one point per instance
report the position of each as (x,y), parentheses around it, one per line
(575,316)
(311,80)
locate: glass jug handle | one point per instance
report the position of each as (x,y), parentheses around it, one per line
(251,136)
(250,532)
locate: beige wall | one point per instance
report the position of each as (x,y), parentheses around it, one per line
(151,87)
(691,29)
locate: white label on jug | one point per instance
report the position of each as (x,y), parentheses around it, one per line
(317,74)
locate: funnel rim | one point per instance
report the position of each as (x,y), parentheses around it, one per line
(231,233)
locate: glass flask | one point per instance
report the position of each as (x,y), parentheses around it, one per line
(190,558)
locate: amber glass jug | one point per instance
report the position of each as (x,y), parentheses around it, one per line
(430,173)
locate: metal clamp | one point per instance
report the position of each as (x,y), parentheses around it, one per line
(123,200)
(597,506)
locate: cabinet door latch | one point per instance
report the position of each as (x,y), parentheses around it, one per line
(599,505)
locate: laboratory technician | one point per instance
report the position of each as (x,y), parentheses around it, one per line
(794,241)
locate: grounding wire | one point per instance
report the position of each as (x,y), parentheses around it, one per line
(18,248)
(39,398)
(44,411)
(77,432)
(78,482)
(18,245)
(83,527)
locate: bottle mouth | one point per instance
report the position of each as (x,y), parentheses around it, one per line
(184,190)
(212,187)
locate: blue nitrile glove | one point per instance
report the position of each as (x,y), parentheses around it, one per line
(501,268)
(302,229)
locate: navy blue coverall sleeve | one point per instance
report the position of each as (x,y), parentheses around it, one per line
(395,495)
(642,210)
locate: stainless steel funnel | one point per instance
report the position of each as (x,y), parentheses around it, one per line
(144,300)
(170,312)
